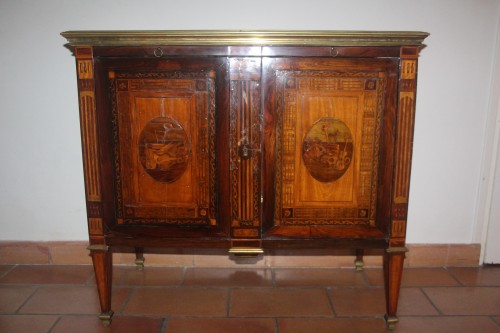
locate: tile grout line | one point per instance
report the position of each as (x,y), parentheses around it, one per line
(460,284)
(55,323)
(430,301)
(183,277)
(229,297)
(164,324)
(37,287)
(495,321)
(365,278)
(276,325)
(329,297)
(8,271)
(132,292)
(89,279)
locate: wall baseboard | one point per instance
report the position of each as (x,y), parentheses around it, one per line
(75,253)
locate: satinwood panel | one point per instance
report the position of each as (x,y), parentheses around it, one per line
(164,129)
(326,122)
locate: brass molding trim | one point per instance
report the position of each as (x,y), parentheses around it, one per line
(246,252)
(243,37)
(98,248)
(401,249)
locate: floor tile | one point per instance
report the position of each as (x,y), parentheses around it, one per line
(70,253)
(328,325)
(413,302)
(462,324)
(26,323)
(486,276)
(219,258)
(158,257)
(228,277)
(466,300)
(310,258)
(266,302)
(415,277)
(149,276)
(318,277)
(56,299)
(221,325)
(419,277)
(48,274)
(12,297)
(374,276)
(371,302)
(178,302)
(4,269)
(70,300)
(24,253)
(358,301)
(86,324)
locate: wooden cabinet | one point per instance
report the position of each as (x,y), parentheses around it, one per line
(247,141)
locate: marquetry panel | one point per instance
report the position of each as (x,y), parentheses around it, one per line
(90,149)
(408,69)
(164,133)
(95,226)
(327,145)
(244,138)
(405,124)
(88,123)
(398,228)
(403,147)
(94,209)
(85,69)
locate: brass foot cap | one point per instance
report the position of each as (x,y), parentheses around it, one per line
(106,318)
(391,322)
(139,263)
(359,264)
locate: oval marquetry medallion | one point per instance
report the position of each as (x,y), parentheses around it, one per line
(164,149)
(327,149)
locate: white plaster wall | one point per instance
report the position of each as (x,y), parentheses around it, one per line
(41,184)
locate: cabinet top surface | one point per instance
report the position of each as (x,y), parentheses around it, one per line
(243,37)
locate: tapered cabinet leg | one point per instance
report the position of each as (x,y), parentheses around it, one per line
(359,263)
(103,268)
(393,272)
(139,258)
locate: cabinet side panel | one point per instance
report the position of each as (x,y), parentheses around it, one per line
(90,142)
(404,143)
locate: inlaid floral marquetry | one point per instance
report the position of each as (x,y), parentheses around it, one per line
(164,149)
(327,149)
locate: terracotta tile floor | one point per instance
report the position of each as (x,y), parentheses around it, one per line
(56,299)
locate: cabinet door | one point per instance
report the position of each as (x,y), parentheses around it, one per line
(164,120)
(323,120)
